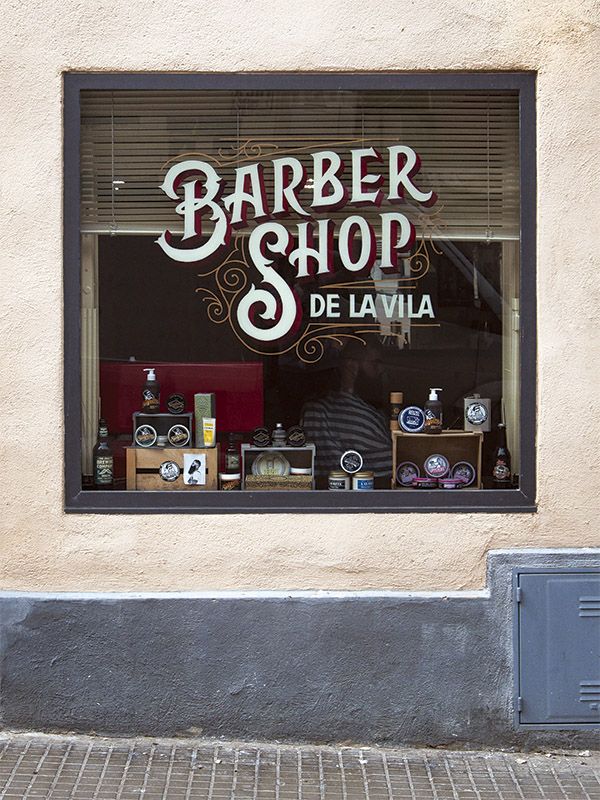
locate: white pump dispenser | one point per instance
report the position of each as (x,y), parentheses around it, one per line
(433,394)
(151,374)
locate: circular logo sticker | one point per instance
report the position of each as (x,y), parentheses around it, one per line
(169,471)
(476,413)
(412,419)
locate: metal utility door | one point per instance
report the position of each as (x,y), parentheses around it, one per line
(558,624)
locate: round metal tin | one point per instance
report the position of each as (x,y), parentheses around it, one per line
(176,403)
(436,465)
(351,461)
(145,436)
(425,483)
(405,473)
(178,436)
(451,483)
(169,471)
(363,481)
(465,471)
(261,437)
(296,436)
(412,419)
(271,463)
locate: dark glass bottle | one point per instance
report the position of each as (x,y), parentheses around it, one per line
(103,459)
(501,471)
(232,456)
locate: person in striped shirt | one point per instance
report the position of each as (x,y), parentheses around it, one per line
(345,419)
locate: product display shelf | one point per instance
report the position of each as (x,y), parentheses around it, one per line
(143,464)
(299,457)
(455,445)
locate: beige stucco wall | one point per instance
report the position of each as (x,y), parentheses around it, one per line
(40,547)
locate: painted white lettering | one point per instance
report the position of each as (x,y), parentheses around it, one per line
(327,165)
(280,306)
(249,190)
(288,176)
(360,177)
(305,252)
(403,164)
(366,257)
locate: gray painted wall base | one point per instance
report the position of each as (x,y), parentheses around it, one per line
(382,667)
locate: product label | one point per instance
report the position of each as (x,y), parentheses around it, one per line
(338,484)
(476,413)
(232,462)
(169,471)
(104,470)
(362,484)
(501,471)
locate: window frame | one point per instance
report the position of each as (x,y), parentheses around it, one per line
(78,500)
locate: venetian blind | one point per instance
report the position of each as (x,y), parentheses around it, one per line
(467,142)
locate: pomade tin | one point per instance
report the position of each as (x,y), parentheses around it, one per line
(451,483)
(412,419)
(405,473)
(145,436)
(176,403)
(464,471)
(363,481)
(351,461)
(436,465)
(296,436)
(178,436)
(339,481)
(425,483)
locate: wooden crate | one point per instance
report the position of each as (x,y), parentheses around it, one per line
(455,445)
(140,459)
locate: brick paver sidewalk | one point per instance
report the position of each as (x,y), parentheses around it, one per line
(83,768)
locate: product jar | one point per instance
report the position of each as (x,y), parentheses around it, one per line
(363,481)
(425,483)
(230,481)
(339,481)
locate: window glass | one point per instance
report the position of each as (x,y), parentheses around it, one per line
(294,290)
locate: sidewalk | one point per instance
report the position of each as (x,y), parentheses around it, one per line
(84,768)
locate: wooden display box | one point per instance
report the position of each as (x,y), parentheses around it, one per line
(303,457)
(455,445)
(143,464)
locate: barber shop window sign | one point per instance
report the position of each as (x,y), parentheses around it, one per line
(257,282)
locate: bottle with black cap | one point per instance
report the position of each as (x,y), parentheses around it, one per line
(103,459)
(501,471)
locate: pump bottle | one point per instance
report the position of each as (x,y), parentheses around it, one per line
(433,413)
(151,393)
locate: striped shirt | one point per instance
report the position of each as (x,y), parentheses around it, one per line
(342,421)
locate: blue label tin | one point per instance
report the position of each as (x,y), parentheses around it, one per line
(412,419)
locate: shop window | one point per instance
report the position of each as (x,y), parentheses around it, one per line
(299,292)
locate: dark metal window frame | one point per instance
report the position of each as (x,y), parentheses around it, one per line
(79,500)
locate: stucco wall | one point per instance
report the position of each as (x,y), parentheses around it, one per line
(44,549)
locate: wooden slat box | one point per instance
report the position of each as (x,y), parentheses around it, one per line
(140,460)
(455,445)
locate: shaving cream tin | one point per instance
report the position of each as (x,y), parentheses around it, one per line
(169,471)
(465,471)
(436,465)
(405,473)
(412,419)
(145,436)
(351,461)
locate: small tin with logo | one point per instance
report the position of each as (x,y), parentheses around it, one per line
(465,471)
(436,466)
(178,436)
(339,481)
(425,483)
(145,436)
(478,414)
(351,461)
(176,403)
(363,481)
(412,419)
(296,436)
(169,471)
(451,483)
(405,473)
(261,437)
